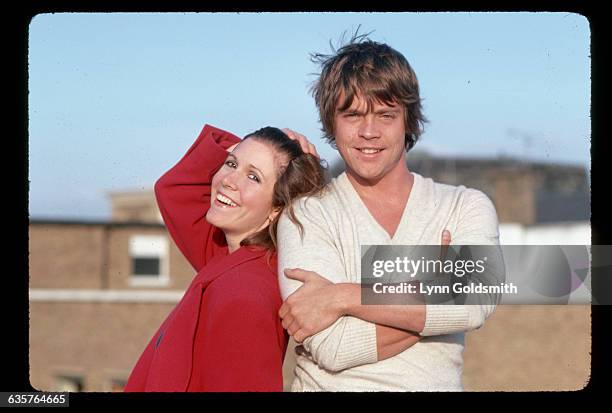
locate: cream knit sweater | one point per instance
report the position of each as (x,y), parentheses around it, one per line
(343,357)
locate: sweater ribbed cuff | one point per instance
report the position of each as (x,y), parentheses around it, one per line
(445,319)
(358,344)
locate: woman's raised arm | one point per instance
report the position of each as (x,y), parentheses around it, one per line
(183,196)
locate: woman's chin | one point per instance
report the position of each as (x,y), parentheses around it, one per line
(221,222)
(213,219)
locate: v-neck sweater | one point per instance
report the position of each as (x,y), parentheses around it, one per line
(343,357)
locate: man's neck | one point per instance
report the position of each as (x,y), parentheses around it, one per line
(387,198)
(396,182)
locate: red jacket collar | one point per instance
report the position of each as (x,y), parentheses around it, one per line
(221,264)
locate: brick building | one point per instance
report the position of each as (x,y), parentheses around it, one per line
(99,290)
(526,193)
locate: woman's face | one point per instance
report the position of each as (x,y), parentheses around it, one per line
(241,193)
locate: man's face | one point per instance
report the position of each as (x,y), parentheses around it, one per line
(371,143)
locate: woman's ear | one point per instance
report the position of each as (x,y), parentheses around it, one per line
(274,213)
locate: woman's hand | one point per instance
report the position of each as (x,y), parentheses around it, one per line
(306,146)
(313,307)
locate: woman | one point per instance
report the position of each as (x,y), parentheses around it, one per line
(221,204)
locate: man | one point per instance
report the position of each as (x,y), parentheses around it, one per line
(370,109)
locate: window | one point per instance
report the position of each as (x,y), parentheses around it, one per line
(149,260)
(145,266)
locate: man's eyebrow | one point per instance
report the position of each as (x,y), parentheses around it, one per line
(395,109)
(349,110)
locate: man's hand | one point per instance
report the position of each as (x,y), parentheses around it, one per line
(313,307)
(305,144)
(318,303)
(444,242)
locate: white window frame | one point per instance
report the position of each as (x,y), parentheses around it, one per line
(150,246)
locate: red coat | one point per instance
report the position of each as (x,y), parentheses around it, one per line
(225,333)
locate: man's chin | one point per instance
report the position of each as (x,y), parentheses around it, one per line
(365,176)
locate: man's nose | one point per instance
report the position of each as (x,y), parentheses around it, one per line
(369,128)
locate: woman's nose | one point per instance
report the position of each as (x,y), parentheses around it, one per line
(229,180)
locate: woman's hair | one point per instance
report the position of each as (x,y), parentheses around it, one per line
(299,175)
(373,70)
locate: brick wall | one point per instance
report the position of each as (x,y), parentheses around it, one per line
(98,342)
(93,256)
(66,256)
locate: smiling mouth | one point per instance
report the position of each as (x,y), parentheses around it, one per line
(369,151)
(225,201)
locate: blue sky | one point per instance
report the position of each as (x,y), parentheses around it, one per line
(115,99)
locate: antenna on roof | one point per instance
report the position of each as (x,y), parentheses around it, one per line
(526,139)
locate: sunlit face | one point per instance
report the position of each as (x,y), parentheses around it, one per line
(371,143)
(241,193)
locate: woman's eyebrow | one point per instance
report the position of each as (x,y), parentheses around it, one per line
(259,170)
(231,155)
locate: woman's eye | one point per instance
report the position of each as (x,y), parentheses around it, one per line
(231,164)
(254,177)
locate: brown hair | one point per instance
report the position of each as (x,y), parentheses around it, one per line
(299,175)
(372,70)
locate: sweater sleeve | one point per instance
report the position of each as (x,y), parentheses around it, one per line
(183,196)
(349,341)
(239,340)
(477,225)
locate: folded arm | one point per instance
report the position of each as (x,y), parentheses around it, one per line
(395,325)
(345,341)
(477,225)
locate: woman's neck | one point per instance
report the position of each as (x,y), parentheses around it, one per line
(232,243)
